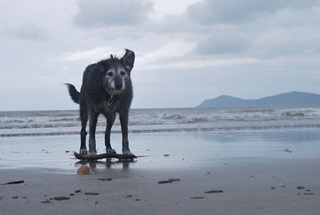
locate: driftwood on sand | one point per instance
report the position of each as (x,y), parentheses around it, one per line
(103,156)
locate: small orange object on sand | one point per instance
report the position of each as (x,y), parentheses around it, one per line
(83,170)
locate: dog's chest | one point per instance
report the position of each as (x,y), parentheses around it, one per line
(109,107)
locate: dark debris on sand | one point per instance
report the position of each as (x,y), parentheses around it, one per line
(170,181)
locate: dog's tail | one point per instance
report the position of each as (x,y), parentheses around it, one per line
(73,92)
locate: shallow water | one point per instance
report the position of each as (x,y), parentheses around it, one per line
(170,150)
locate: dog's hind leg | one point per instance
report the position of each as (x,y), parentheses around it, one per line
(124,129)
(83,133)
(110,121)
(93,119)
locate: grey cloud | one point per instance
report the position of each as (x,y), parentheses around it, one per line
(281,28)
(106,13)
(267,43)
(230,11)
(27,32)
(295,42)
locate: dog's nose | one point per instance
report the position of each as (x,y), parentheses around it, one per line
(118,86)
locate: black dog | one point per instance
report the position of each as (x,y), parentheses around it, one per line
(106,89)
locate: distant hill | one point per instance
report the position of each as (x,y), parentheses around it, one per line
(292,99)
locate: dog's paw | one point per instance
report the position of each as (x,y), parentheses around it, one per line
(110,151)
(83,152)
(92,152)
(128,153)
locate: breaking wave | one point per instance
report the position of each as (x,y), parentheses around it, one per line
(35,123)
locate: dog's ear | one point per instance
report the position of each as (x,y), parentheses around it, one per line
(128,59)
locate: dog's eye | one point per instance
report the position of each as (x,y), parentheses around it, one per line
(110,74)
(123,73)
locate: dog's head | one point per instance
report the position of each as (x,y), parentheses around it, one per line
(116,73)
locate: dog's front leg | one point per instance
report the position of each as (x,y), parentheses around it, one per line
(124,129)
(83,133)
(110,121)
(92,133)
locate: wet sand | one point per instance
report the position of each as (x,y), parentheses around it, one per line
(229,172)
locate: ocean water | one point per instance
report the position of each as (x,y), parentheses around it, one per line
(42,123)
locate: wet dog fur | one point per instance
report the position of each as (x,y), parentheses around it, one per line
(106,89)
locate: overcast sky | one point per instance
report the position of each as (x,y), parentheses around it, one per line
(186,50)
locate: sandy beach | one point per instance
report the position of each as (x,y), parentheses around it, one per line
(227,172)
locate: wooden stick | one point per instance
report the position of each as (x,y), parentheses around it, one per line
(102,156)
(13,182)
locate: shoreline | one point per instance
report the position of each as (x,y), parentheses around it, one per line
(205,173)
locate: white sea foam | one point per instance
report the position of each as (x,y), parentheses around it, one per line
(33,123)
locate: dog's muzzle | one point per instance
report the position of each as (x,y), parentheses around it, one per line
(118,86)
